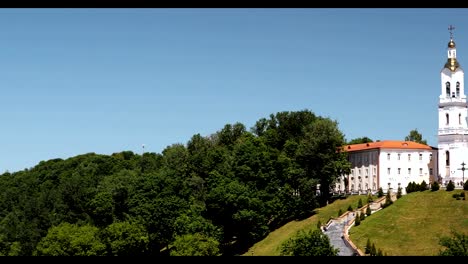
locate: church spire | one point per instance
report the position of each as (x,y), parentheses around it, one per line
(452,62)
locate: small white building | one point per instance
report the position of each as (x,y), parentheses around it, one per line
(388,164)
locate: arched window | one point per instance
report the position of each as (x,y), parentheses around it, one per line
(447,89)
(458,89)
(447,119)
(447,158)
(459,119)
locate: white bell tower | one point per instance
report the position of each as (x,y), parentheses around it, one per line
(453,129)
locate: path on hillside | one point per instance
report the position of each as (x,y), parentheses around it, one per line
(335,232)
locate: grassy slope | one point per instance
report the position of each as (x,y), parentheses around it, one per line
(271,245)
(414,223)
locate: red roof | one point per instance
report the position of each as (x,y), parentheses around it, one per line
(386,144)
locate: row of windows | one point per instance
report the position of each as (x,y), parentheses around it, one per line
(366,171)
(409,171)
(409,156)
(447,120)
(447,90)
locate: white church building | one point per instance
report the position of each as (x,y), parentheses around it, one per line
(453,129)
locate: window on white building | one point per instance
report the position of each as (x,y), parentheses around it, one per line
(447,158)
(430,157)
(388,156)
(399,170)
(420,171)
(409,157)
(375,170)
(359,172)
(409,171)
(367,172)
(459,119)
(399,156)
(430,171)
(420,156)
(458,89)
(352,172)
(447,119)
(388,171)
(447,89)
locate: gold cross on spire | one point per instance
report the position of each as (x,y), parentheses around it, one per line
(451,28)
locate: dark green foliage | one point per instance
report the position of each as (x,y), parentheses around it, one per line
(357,219)
(435,186)
(217,194)
(359,140)
(369,198)
(398,196)
(450,186)
(388,200)
(362,216)
(340,212)
(415,136)
(423,186)
(368,247)
(350,208)
(368,211)
(379,253)
(373,251)
(456,245)
(380,193)
(319,225)
(311,243)
(359,205)
(465,185)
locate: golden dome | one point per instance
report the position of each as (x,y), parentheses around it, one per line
(451,44)
(452,64)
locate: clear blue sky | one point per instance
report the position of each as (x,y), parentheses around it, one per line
(75,81)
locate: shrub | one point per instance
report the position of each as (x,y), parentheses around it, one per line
(368,211)
(450,186)
(435,186)
(350,208)
(380,193)
(359,205)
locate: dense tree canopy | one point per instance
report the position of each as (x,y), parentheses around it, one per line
(415,136)
(215,195)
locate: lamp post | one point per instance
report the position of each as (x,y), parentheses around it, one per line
(463,171)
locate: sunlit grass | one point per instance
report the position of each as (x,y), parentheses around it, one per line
(413,224)
(271,245)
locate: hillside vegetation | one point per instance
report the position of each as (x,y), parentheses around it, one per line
(270,246)
(413,224)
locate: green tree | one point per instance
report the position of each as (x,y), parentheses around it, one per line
(357,219)
(340,212)
(125,239)
(359,140)
(423,186)
(350,208)
(311,243)
(368,247)
(398,196)
(320,156)
(450,186)
(415,136)
(380,192)
(465,185)
(435,186)
(71,240)
(368,211)
(359,205)
(456,245)
(194,245)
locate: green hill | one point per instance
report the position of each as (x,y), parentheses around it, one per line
(270,246)
(411,226)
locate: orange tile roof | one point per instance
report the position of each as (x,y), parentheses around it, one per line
(386,144)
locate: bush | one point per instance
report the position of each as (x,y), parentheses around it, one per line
(357,220)
(423,186)
(465,185)
(350,208)
(359,205)
(398,195)
(450,186)
(340,212)
(368,211)
(380,193)
(435,186)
